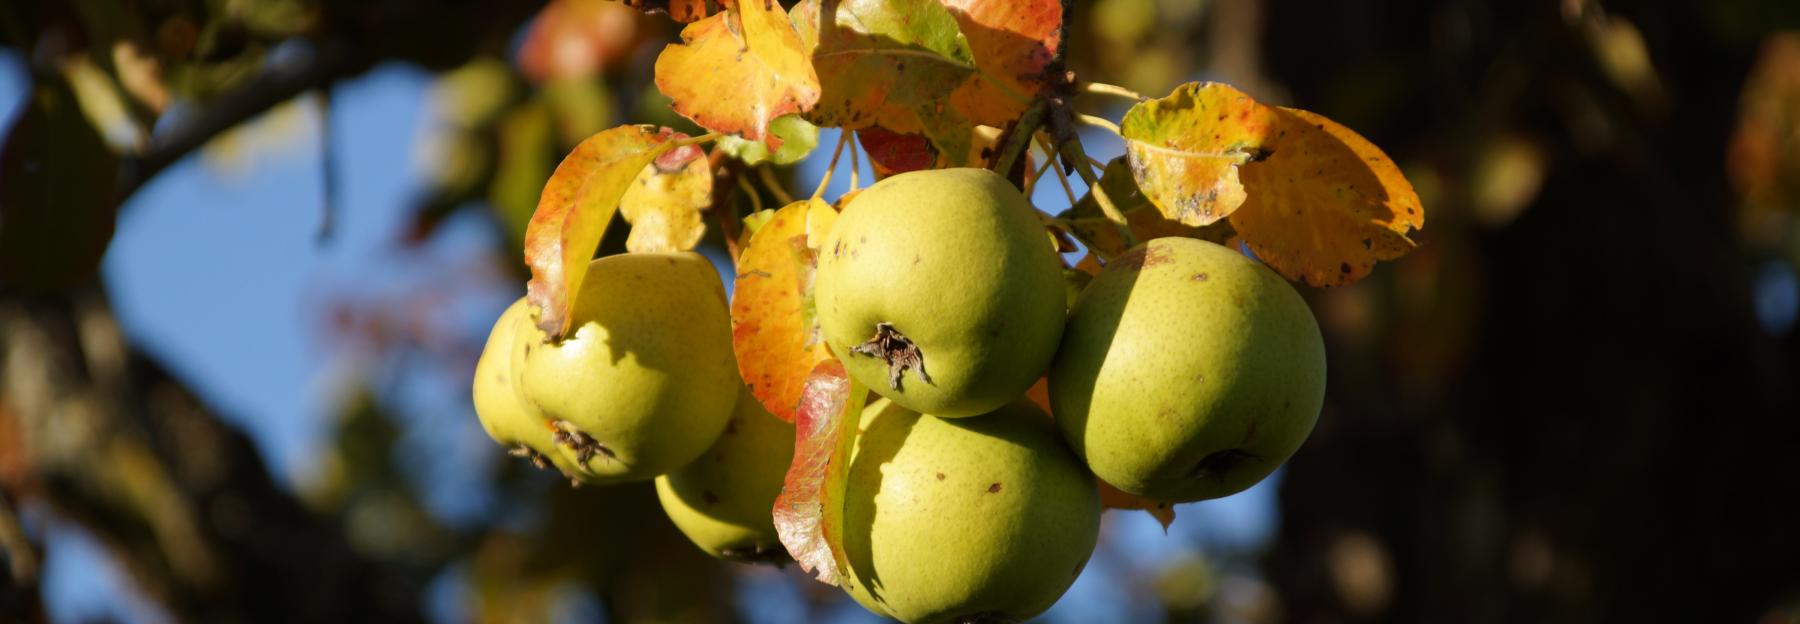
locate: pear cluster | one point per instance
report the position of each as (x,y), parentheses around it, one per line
(643,386)
(1184,371)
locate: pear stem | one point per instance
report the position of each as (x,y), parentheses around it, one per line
(1071,149)
(1017,139)
(825,180)
(1101,88)
(775,188)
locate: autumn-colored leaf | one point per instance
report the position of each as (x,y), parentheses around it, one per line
(1089,223)
(663,206)
(1312,199)
(577,203)
(678,10)
(891,152)
(1014,43)
(1326,204)
(576,39)
(892,64)
(1185,149)
(809,512)
(773,330)
(737,71)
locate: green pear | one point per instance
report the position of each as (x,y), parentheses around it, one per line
(499,403)
(645,380)
(1188,372)
(967,519)
(940,290)
(724,500)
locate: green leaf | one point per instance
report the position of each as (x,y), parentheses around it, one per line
(798,138)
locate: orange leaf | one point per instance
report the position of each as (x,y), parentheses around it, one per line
(678,10)
(809,511)
(1014,42)
(773,330)
(1185,149)
(577,203)
(736,71)
(663,205)
(1326,204)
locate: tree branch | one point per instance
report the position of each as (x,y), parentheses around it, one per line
(332,60)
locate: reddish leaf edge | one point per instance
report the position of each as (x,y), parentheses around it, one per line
(809,512)
(553,281)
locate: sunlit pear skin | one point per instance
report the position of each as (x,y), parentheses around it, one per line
(955,262)
(499,402)
(966,519)
(644,380)
(1188,372)
(723,501)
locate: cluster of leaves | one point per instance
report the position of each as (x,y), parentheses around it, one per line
(924,84)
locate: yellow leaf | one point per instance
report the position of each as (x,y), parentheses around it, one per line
(663,206)
(572,213)
(737,71)
(1185,149)
(1326,204)
(1315,201)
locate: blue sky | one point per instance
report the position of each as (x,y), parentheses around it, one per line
(216,269)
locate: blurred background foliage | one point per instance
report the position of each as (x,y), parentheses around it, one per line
(1576,401)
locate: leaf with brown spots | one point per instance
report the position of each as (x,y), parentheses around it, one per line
(1185,149)
(663,205)
(1087,221)
(809,512)
(739,70)
(572,213)
(773,330)
(921,67)
(678,10)
(1316,202)
(1014,43)
(1326,204)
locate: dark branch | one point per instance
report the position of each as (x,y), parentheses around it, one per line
(331,60)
